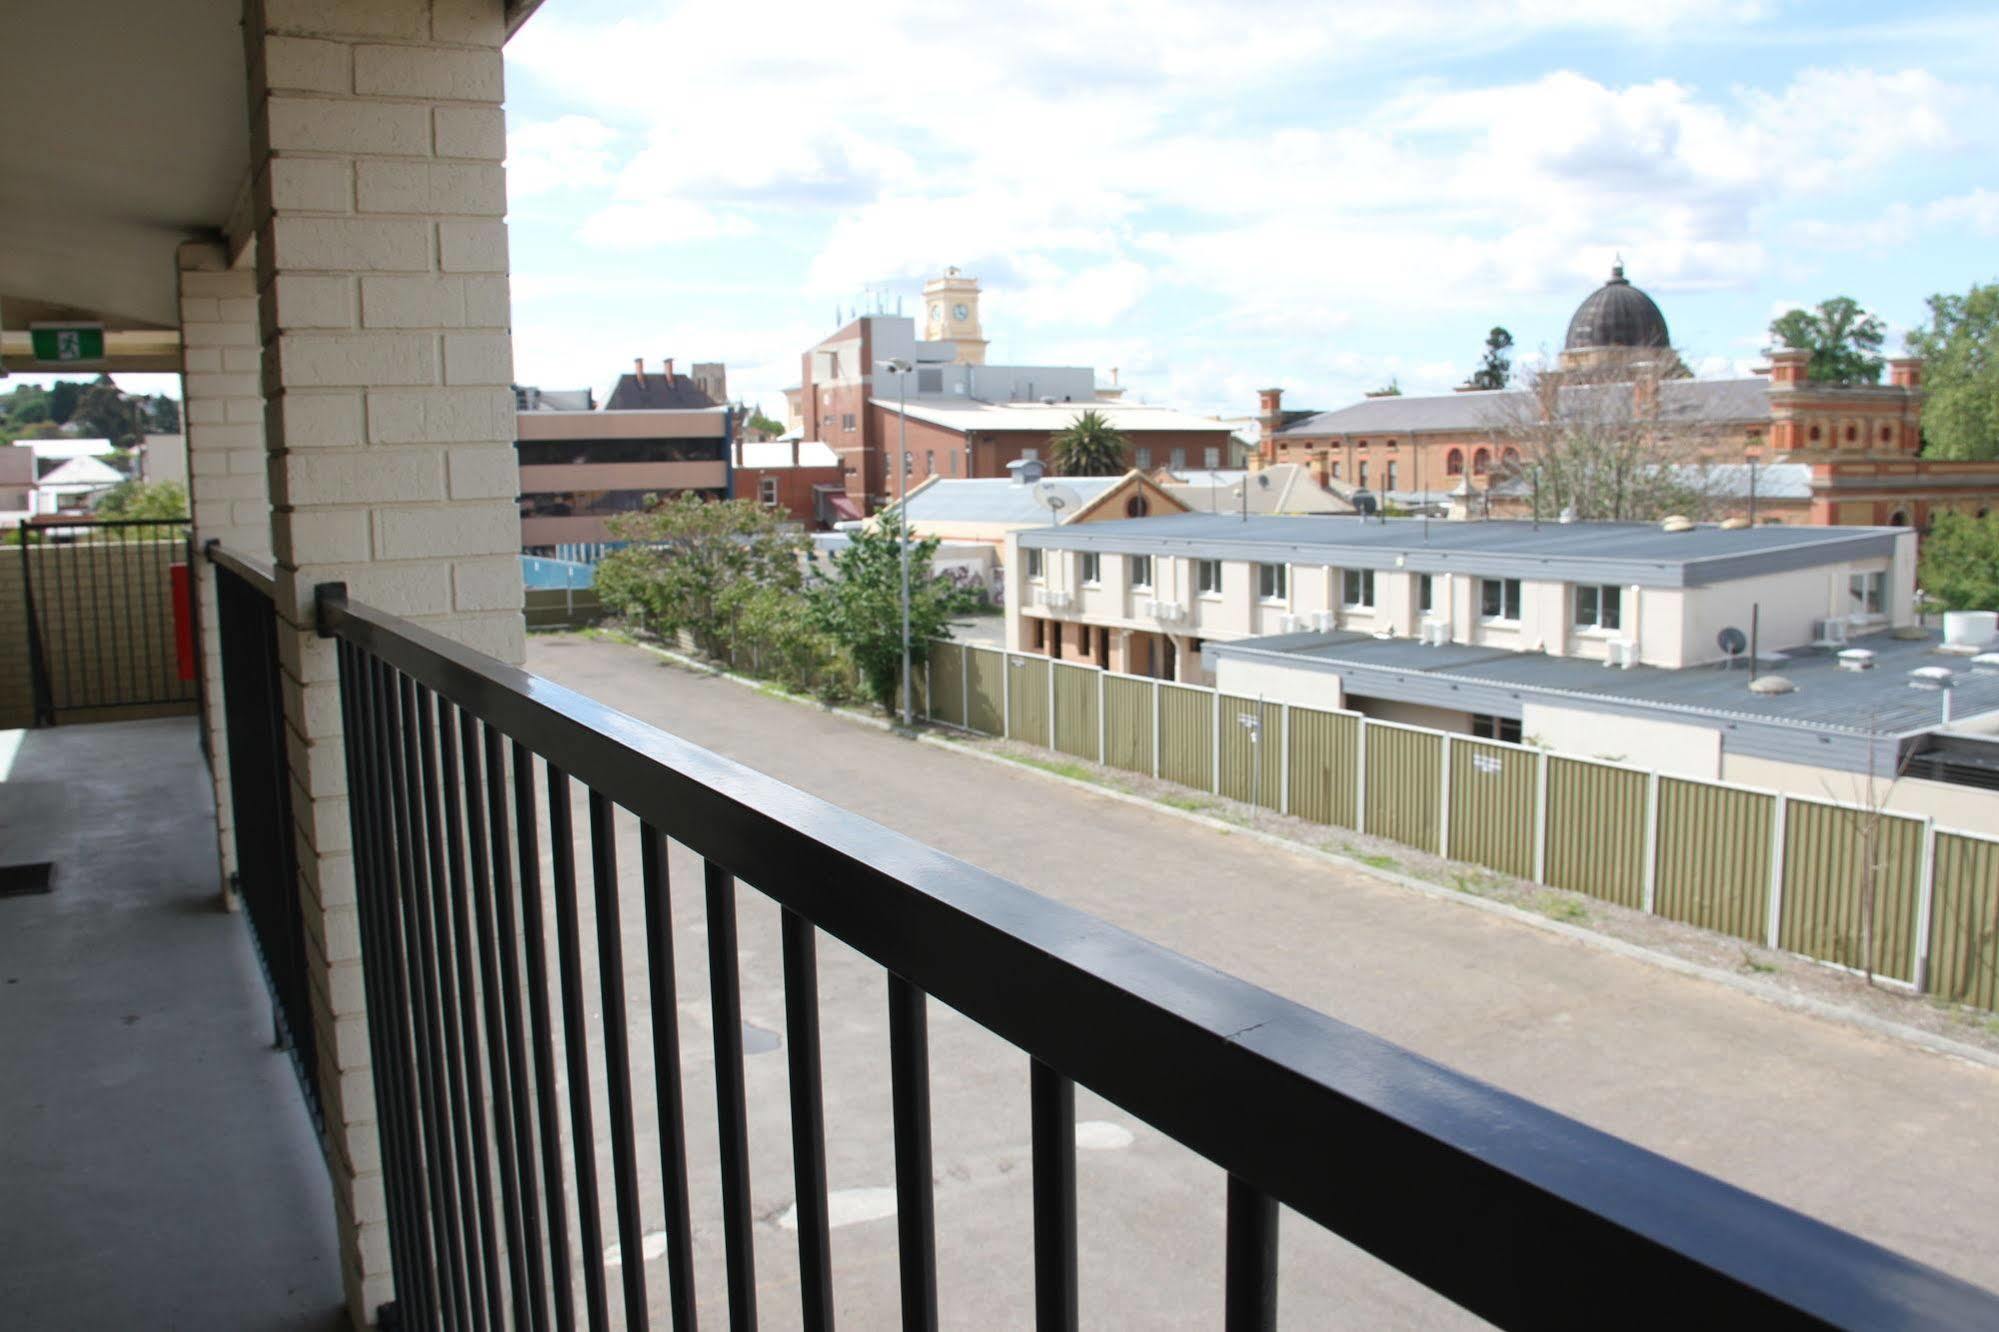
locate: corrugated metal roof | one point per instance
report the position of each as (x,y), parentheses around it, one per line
(1637,553)
(1878,702)
(994,499)
(1704,401)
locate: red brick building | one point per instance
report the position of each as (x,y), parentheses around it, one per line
(801,477)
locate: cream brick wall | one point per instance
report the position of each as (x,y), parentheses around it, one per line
(223,405)
(378,196)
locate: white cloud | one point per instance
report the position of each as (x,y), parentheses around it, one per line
(569,152)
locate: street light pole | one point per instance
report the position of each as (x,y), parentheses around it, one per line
(901,369)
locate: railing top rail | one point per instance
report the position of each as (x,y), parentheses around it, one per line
(255,572)
(70,520)
(1515,1212)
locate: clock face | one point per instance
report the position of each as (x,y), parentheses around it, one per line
(937,313)
(961,312)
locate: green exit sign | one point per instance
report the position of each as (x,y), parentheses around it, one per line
(60,343)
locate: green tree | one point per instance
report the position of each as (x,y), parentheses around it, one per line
(758,423)
(1091,446)
(1960,562)
(104,412)
(860,606)
(140,499)
(687,555)
(26,405)
(1960,351)
(1496,369)
(1392,389)
(162,415)
(63,396)
(1844,340)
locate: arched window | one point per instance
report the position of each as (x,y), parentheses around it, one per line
(1898,519)
(1481,462)
(1510,459)
(1852,434)
(1137,507)
(1887,433)
(1815,432)
(1454,463)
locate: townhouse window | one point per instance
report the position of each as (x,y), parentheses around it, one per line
(930,462)
(1142,459)
(1599,607)
(1208,577)
(1273,581)
(1091,566)
(1867,594)
(846,420)
(1139,569)
(1211,458)
(1361,473)
(1357,589)
(1033,560)
(1388,477)
(1486,727)
(1499,599)
(767,491)
(1178,460)
(908,461)
(1426,594)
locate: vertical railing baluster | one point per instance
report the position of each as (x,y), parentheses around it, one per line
(408,1255)
(506,972)
(504,1150)
(463,965)
(808,1120)
(575,1035)
(725,999)
(617,1058)
(420,968)
(915,1198)
(438,938)
(1250,1283)
(534,935)
(663,994)
(1052,1111)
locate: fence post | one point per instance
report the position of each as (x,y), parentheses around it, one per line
(1103,720)
(1155,726)
(1651,840)
(929,693)
(1283,758)
(1007,667)
(1778,818)
(1926,896)
(1053,730)
(1541,819)
(965,687)
(1215,741)
(1360,778)
(1444,803)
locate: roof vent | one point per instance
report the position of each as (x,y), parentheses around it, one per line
(1676,523)
(1856,659)
(1771,684)
(1931,677)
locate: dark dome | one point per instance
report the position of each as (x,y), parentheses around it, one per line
(1617,314)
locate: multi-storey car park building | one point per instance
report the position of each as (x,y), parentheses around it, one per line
(1595,638)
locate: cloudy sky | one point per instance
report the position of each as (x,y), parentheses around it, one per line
(1216,197)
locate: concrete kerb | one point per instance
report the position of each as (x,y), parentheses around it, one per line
(1758,989)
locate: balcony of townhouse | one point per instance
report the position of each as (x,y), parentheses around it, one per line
(507,931)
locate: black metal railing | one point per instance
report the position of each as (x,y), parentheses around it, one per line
(455,764)
(253,709)
(100,627)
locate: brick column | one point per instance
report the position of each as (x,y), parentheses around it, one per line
(222,411)
(376,139)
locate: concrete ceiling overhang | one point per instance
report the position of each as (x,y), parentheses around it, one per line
(128,134)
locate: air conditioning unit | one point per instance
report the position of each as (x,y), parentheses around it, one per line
(1433,633)
(1622,652)
(1829,632)
(1325,621)
(1288,624)
(1856,659)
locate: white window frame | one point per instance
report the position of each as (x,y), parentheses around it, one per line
(1142,458)
(1031,557)
(1364,581)
(1602,593)
(1089,568)
(767,491)
(1210,589)
(1273,584)
(1859,586)
(1133,564)
(1426,594)
(1505,584)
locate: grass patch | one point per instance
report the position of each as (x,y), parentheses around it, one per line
(1185,802)
(1379,862)
(1061,768)
(1751,964)
(1563,908)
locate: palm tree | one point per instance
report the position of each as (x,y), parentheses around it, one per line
(1091,446)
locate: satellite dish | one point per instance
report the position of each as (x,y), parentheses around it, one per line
(1732,641)
(1363,502)
(1057,498)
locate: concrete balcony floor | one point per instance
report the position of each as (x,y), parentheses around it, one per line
(157,1165)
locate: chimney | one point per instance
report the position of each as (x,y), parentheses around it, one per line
(639,369)
(1026,471)
(1905,372)
(1269,420)
(1788,365)
(669,372)
(794,453)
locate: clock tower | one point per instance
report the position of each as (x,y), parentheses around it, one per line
(951,314)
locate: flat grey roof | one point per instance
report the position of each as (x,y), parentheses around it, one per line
(1630,553)
(1828,702)
(994,499)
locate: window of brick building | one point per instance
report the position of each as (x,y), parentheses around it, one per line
(1481,462)
(767,490)
(1454,463)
